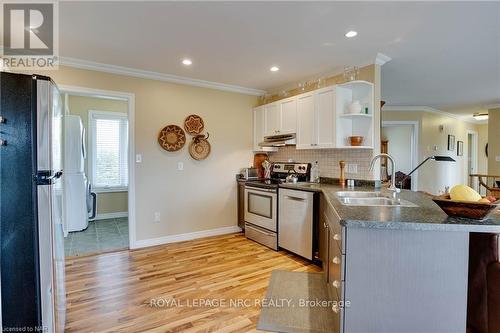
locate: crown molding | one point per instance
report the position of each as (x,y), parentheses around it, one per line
(119,70)
(381,59)
(416,108)
(492,106)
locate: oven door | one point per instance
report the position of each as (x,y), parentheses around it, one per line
(261,207)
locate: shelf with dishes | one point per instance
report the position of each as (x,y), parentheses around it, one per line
(354,104)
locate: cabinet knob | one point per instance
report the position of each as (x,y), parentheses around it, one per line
(336,237)
(336,284)
(335,308)
(3,142)
(336,260)
(325,225)
(2,120)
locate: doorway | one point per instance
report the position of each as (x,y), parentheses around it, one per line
(103,122)
(472,159)
(402,144)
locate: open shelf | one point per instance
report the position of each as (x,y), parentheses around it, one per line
(354,124)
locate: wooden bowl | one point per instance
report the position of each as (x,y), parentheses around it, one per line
(356,140)
(466,209)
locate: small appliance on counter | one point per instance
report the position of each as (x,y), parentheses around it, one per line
(261,202)
(249,173)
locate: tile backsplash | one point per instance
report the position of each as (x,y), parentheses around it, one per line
(328,160)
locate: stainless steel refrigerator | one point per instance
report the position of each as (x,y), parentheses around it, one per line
(32,246)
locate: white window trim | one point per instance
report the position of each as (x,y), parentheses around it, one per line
(91,157)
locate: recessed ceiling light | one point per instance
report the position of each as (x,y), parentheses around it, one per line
(274,69)
(187,62)
(480,116)
(351,34)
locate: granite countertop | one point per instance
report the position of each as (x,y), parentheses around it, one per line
(427,216)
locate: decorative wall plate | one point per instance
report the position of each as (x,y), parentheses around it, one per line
(199,148)
(193,124)
(172,138)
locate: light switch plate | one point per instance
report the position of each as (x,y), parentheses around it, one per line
(157,217)
(497,158)
(138,158)
(180,166)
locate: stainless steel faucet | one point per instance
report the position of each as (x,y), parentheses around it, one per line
(392,187)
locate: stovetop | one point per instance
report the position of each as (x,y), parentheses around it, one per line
(279,171)
(264,183)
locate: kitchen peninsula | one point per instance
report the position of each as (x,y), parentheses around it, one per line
(397,267)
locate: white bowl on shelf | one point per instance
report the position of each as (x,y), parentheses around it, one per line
(354,108)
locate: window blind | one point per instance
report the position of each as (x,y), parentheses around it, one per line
(109,150)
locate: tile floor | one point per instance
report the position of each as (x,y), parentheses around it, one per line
(100,236)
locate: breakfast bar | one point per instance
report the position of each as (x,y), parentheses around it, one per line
(395,267)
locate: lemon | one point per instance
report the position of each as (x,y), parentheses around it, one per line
(464,193)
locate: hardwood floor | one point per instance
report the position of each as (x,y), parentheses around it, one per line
(117,292)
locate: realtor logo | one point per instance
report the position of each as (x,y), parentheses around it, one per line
(29,35)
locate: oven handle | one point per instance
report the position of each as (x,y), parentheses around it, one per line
(258,189)
(259,230)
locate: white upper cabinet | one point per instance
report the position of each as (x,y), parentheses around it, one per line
(281,117)
(305,121)
(325,114)
(288,108)
(316,119)
(321,118)
(272,119)
(259,126)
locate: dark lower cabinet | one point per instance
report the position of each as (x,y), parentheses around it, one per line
(241,204)
(332,253)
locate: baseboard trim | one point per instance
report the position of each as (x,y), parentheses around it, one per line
(106,216)
(185,237)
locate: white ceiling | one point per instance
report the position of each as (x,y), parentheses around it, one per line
(444,55)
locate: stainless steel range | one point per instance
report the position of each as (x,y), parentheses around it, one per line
(261,202)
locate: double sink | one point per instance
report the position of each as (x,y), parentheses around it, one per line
(377,199)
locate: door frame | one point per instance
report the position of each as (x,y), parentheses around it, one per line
(475,160)
(414,147)
(130,99)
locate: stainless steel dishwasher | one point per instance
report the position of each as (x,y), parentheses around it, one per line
(296,228)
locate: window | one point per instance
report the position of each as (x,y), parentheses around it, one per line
(108,162)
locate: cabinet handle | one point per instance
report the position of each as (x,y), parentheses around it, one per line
(336,237)
(336,284)
(336,260)
(335,308)
(294,198)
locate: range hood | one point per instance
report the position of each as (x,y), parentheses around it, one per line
(278,140)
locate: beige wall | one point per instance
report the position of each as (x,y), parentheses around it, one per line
(203,195)
(115,202)
(400,138)
(494,141)
(434,176)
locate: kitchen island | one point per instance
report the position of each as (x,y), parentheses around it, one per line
(392,268)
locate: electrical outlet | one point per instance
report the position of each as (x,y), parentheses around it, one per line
(157,217)
(352,168)
(180,166)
